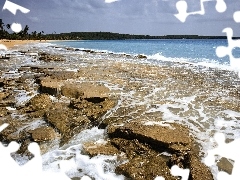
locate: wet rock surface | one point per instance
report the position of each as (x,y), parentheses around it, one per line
(39,102)
(50,57)
(43,134)
(93,108)
(45,102)
(68,122)
(85,90)
(50,86)
(173,138)
(144,142)
(94,149)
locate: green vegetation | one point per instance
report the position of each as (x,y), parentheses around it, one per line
(117,36)
(25,35)
(22,35)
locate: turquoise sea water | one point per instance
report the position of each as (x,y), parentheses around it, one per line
(194,51)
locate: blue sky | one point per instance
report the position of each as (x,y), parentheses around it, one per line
(152,17)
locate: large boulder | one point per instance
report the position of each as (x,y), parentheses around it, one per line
(51,86)
(93,108)
(39,102)
(143,162)
(173,138)
(85,90)
(68,122)
(141,142)
(43,134)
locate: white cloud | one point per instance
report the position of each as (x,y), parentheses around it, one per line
(34,19)
(110,1)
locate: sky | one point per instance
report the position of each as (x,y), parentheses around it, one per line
(145,17)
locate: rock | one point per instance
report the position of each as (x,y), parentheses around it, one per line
(50,86)
(173,139)
(39,102)
(67,121)
(72,91)
(49,57)
(3,95)
(1,82)
(24,77)
(35,114)
(88,51)
(140,142)
(70,49)
(11,133)
(143,162)
(94,149)
(43,134)
(7,102)
(140,56)
(145,168)
(3,112)
(85,90)
(35,68)
(61,75)
(93,110)
(9,83)
(224,164)
(108,121)
(198,170)
(132,148)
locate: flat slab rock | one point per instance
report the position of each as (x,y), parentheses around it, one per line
(50,86)
(85,90)
(75,90)
(174,138)
(67,121)
(43,134)
(94,149)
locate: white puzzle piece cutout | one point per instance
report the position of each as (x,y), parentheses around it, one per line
(182,9)
(236,16)
(222,51)
(16,27)
(176,171)
(227,150)
(12,7)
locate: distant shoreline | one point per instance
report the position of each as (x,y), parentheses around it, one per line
(118,36)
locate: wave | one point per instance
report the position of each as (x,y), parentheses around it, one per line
(208,63)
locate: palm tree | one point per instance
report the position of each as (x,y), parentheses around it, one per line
(8,26)
(25,31)
(1,24)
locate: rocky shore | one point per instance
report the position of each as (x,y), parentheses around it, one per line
(46,101)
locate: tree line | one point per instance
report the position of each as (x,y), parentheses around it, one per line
(22,35)
(25,35)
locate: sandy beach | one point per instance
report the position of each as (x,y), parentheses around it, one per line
(11,43)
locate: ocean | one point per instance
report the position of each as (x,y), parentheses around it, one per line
(180,81)
(198,51)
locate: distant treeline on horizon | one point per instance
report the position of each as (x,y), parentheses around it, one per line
(118,36)
(25,35)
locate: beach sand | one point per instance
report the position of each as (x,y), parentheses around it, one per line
(11,43)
